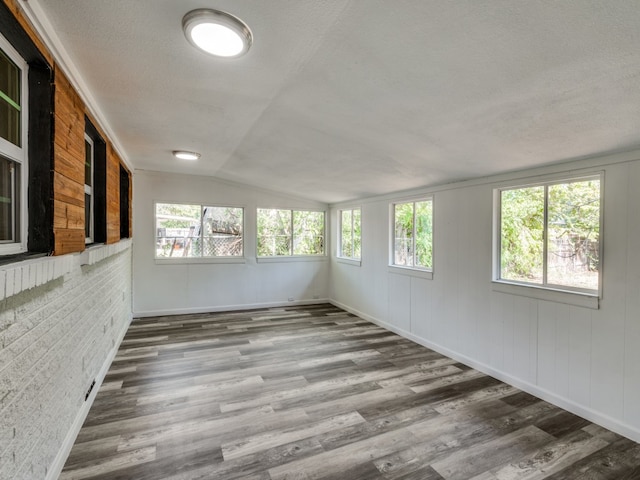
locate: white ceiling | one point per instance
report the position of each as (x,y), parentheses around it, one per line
(339,99)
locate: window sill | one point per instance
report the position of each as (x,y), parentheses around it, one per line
(283,259)
(541,293)
(349,261)
(199,260)
(97,252)
(411,272)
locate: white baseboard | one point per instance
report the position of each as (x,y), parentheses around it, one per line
(58,463)
(562,402)
(227,308)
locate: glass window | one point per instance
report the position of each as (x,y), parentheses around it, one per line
(413,234)
(550,235)
(290,232)
(88,188)
(13,161)
(350,234)
(188,231)
(10,101)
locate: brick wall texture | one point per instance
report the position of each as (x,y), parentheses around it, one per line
(54,340)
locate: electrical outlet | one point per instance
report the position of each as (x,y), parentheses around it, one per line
(86,396)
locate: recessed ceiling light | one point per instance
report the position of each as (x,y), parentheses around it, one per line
(184,155)
(217,33)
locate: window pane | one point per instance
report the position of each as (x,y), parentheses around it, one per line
(424,237)
(87,215)
(7,200)
(274,232)
(88,163)
(308,233)
(357,234)
(573,246)
(347,234)
(222,232)
(176,227)
(10,117)
(403,234)
(521,229)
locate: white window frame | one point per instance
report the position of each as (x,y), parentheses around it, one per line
(200,259)
(340,253)
(547,291)
(266,258)
(426,272)
(18,155)
(88,190)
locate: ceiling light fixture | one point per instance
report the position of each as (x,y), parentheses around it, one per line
(184,155)
(217,33)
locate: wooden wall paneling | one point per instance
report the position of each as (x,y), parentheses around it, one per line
(68,216)
(67,190)
(113,196)
(68,175)
(68,240)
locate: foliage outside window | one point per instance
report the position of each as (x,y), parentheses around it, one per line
(290,232)
(192,231)
(350,234)
(550,234)
(413,234)
(13,70)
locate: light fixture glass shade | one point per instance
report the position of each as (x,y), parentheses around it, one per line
(185,155)
(217,33)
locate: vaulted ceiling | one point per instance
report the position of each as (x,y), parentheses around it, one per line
(339,99)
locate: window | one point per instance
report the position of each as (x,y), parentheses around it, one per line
(188,231)
(550,235)
(413,235)
(290,232)
(125,188)
(350,234)
(88,188)
(13,157)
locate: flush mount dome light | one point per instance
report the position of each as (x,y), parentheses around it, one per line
(217,33)
(184,155)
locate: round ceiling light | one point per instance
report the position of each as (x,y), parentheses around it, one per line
(184,155)
(217,33)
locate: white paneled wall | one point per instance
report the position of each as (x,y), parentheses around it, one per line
(185,288)
(584,359)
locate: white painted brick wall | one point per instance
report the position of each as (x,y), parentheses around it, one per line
(55,336)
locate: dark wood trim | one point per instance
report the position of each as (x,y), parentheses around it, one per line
(125,185)
(40,193)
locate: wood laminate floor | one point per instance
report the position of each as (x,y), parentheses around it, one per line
(317,393)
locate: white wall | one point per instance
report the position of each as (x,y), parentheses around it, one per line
(586,360)
(184,288)
(59,331)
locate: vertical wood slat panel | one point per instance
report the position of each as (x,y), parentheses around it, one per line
(68,175)
(113,196)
